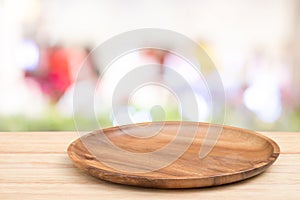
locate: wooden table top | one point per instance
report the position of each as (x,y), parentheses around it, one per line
(35,165)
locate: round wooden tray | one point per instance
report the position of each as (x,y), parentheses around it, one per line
(237,154)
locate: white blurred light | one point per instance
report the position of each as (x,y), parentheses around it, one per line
(27,55)
(128,115)
(18,97)
(141,116)
(195,81)
(263,97)
(151,95)
(203,108)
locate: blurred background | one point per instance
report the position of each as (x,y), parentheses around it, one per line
(255,45)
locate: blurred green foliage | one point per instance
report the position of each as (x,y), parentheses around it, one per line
(53,121)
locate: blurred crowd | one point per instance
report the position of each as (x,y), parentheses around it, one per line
(254,88)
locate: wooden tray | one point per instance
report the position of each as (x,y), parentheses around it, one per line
(238,154)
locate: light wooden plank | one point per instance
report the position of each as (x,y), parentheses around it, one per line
(86,191)
(35,142)
(35,166)
(39,174)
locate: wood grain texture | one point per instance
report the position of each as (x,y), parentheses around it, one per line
(237,155)
(34,165)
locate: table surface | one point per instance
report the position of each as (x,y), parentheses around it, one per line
(35,165)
